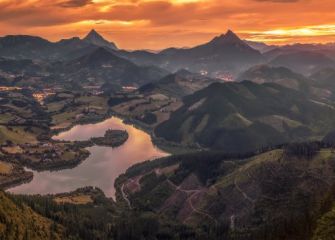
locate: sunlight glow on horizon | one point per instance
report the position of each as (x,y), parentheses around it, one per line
(110,22)
(158,24)
(283,35)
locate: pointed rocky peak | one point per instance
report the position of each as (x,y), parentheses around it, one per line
(228,38)
(93,35)
(93,32)
(230,35)
(97,39)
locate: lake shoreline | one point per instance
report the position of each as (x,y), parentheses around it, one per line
(126,149)
(161,143)
(18,177)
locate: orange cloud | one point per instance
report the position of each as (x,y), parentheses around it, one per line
(158,24)
(74,3)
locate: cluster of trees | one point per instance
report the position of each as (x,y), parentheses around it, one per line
(79,221)
(17,221)
(148,118)
(101,220)
(304,149)
(116,100)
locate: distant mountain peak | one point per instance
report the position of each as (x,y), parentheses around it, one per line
(231,34)
(228,38)
(97,39)
(93,31)
(93,34)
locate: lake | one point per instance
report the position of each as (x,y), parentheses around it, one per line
(102,167)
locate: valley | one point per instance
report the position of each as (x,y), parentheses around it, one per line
(101,166)
(229,139)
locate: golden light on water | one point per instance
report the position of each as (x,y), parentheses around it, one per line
(102,167)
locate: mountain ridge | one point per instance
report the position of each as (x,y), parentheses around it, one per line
(245,116)
(95,38)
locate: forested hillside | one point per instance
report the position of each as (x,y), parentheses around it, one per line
(245,116)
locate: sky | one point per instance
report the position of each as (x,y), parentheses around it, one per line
(158,24)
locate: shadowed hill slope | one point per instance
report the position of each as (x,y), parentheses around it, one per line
(278,194)
(245,116)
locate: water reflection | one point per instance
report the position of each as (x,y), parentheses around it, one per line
(103,166)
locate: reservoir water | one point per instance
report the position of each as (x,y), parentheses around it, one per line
(102,167)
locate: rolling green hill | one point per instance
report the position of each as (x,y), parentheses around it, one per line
(280,75)
(325,78)
(245,116)
(304,62)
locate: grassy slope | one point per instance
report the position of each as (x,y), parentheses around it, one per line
(281,75)
(268,196)
(22,118)
(325,229)
(16,135)
(263,115)
(66,109)
(21,222)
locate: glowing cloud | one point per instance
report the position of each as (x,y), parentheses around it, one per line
(283,35)
(158,24)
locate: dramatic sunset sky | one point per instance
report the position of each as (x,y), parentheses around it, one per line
(156,24)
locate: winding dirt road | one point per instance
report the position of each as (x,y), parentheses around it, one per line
(192,193)
(124,195)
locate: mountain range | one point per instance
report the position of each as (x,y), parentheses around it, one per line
(103,66)
(224,57)
(95,38)
(31,47)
